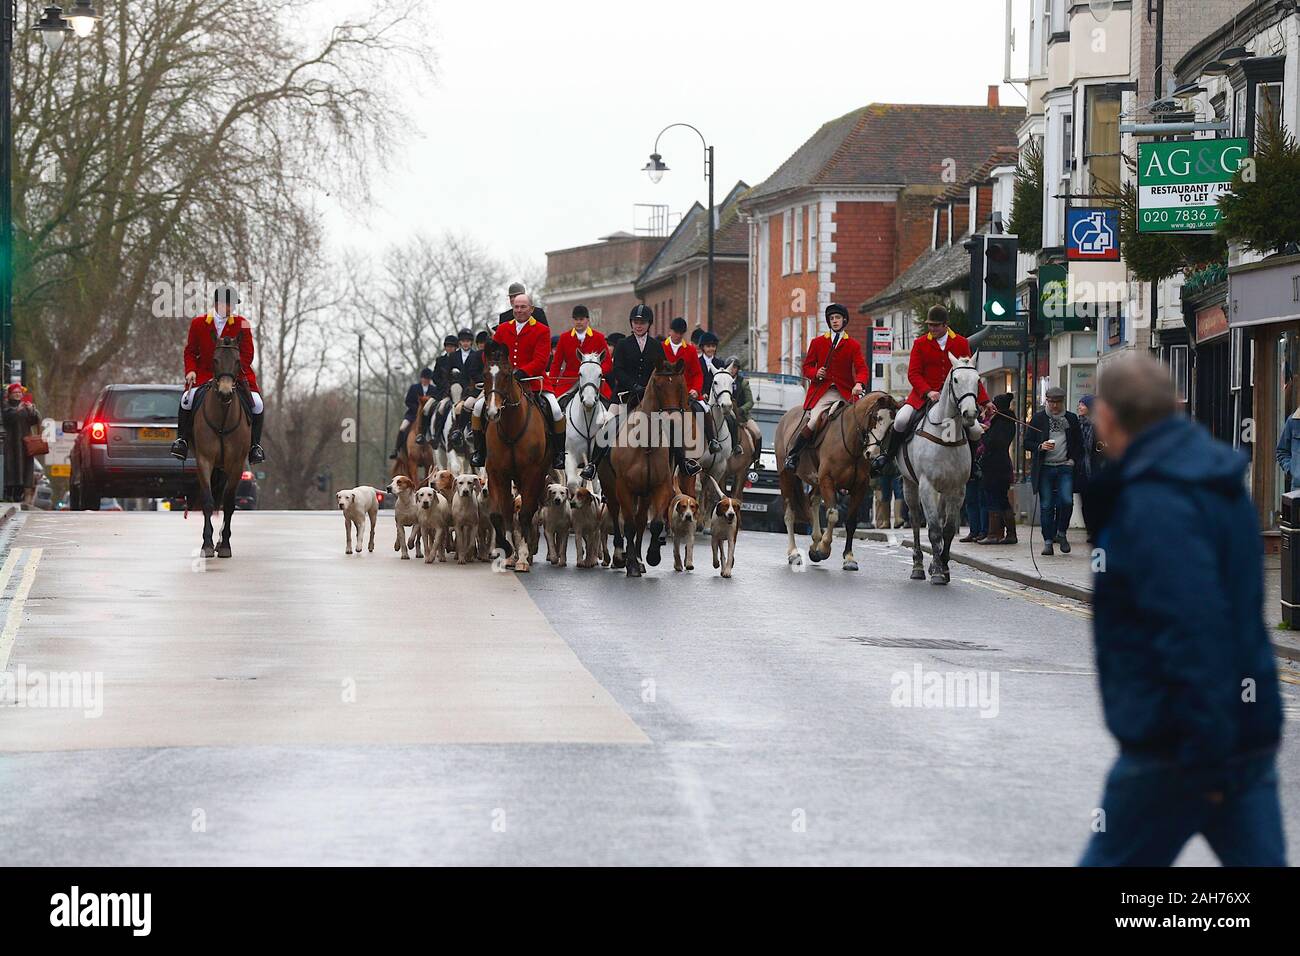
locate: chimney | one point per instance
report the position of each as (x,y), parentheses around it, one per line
(993,94)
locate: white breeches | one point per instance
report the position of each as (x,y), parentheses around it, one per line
(823,404)
(187,400)
(549,398)
(903,417)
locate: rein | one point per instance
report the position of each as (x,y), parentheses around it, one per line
(522,400)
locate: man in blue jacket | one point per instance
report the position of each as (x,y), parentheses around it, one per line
(1188,683)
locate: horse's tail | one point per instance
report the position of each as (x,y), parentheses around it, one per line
(796,498)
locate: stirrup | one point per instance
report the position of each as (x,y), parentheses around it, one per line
(255,455)
(715,446)
(588,472)
(180,449)
(456,436)
(690,466)
(419,439)
(791,462)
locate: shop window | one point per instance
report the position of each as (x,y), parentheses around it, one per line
(1101,144)
(1178,370)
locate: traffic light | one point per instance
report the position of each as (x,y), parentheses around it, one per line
(999,299)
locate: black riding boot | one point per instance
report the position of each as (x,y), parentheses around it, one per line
(557,451)
(478,439)
(734,431)
(711,435)
(439,423)
(883,464)
(255,454)
(689,466)
(588,472)
(184,433)
(800,443)
(401,441)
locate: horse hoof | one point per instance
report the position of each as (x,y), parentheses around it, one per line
(209,552)
(794,559)
(850,565)
(652,557)
(938,578)
(521,569)
(815,556)
(633,571)
(617,562)
(918,574)
(223,551)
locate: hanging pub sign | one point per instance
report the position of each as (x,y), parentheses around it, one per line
(1179,183)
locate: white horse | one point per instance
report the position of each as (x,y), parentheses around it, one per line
(717,465)
(584,418)
(444,456)
(936,466)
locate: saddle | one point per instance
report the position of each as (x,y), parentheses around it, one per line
(241,389)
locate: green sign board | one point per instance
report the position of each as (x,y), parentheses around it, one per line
(1179,183)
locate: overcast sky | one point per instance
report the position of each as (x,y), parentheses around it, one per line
(543,114)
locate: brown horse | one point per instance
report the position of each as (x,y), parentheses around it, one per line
(414,456)
(642,463)
(517,455)
(222,434)
(838,460)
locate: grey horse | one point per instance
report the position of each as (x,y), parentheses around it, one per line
(936,466)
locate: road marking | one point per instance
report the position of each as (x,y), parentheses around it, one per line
(15,617)
(1026,595)
(1017,670)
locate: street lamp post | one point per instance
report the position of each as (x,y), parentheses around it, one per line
(53,28)
(356,433)
(656,168)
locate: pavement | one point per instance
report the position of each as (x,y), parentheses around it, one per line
(1070,575)
(294,705)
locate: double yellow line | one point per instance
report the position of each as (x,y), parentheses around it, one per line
(14,619)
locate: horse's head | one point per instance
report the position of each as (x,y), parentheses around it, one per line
(500,388)
(964,388)
(721,392)
(876,416)
(589,377)
(666,390)
(225,363)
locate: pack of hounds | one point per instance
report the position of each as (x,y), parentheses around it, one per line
(448,514)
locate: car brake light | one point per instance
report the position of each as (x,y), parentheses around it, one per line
(380,496)
(749,484)
(98,432)
(246,476)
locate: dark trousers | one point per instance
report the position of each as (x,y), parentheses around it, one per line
(976,519)
(1055,499)
(1153,807)
(995,498)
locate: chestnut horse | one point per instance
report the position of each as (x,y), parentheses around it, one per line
(222,435)
(517,455)
(413,455)
(838,460)
(642,463)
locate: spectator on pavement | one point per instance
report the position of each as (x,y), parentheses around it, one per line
(1188,684)
(1055,444)
(1288,450)
(20,418)
(996,465)
(976,519)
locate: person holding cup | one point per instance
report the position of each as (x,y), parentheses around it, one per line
(1055,443)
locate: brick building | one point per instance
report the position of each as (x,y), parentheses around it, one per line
(851,209)
(600,276)
(676,283)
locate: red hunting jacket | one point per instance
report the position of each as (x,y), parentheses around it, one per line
(694,374)
(563,373)
(529,349)
(847,368)
(199,348)
(929,366)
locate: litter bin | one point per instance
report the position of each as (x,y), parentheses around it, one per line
(1290,559)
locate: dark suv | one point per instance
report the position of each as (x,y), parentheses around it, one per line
(123,448)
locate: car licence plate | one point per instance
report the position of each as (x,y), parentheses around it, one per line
(156,434)
(753,506)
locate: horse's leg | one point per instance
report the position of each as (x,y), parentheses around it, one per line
(631,554)
(503,503)
(230,489)
(851,523)
(207,503)
(821,548)
(656,529)
(657,506)
(912,497)
(527,527)
(935,520)
(953,520)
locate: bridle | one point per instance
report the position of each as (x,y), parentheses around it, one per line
(225,400)
(491,389)
(865,440)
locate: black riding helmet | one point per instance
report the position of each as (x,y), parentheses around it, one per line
(450,340)
(836,309)
(642,313)
(426,373)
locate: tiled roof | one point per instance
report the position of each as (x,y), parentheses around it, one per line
(895,144)
(1002,156)
(691,237)
(934,271)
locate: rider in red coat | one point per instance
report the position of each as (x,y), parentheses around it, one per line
(200,348)
(836,370)
(573,345)
(927,370)
(529,342)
